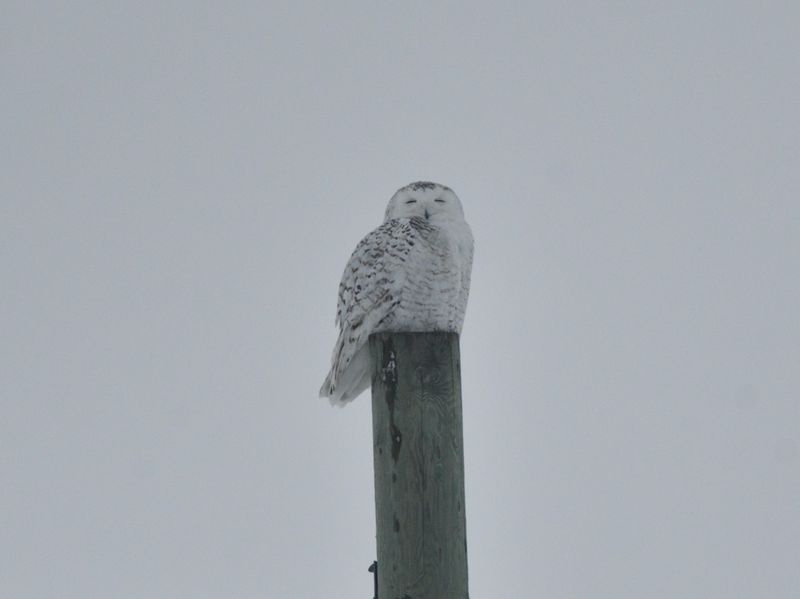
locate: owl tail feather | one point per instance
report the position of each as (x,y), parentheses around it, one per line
(343,387)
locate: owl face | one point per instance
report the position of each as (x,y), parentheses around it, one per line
(425,200)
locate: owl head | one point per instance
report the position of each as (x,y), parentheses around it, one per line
(426,200)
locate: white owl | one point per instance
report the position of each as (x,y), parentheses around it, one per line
(411,274)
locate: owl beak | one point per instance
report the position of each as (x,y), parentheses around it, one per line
(427,214)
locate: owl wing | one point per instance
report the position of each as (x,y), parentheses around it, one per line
(369,292)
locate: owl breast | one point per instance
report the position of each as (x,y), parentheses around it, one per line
(433,295)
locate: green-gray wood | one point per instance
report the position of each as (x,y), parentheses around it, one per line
(419,466)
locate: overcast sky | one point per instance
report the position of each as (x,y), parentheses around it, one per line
(181,184)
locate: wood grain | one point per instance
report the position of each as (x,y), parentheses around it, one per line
(419,466)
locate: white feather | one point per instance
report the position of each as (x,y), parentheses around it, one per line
(410,274)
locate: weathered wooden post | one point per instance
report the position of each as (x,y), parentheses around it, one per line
(419,466)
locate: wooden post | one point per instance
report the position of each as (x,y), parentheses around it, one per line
(419,466)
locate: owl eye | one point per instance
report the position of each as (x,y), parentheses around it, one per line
(439,201)
(411,201)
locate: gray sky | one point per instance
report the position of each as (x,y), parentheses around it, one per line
(182,183)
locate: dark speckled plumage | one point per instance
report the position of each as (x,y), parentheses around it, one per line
(411,273)
(420,185)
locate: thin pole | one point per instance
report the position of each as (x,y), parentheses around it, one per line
(419,465)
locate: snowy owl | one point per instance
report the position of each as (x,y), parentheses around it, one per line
(411,274)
